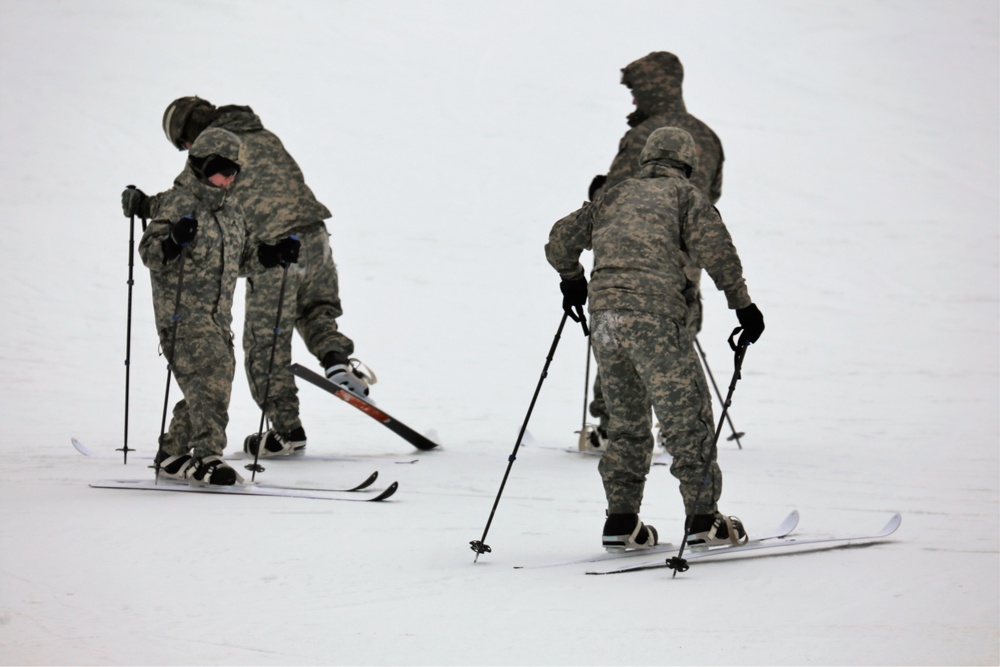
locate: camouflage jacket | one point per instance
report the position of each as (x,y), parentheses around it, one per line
(655,81)
(271,188)
(212,264)
(643,232)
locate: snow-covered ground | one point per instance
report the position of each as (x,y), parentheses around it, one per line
(861,187)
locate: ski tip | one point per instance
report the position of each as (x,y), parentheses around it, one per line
(893,524)
(80,447)
(368,482)
(389,490)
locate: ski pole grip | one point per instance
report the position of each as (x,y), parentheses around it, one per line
(732,337)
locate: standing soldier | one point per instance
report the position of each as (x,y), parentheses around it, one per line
(193,248)
(655,82)
(644,231)
(278,206)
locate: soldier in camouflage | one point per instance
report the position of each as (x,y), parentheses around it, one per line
(279,208)
(655,81)
(194,247)
(643,232)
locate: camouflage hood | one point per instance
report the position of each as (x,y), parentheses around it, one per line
(655,81)
(672,147)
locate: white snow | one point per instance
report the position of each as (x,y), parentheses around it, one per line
(861,187)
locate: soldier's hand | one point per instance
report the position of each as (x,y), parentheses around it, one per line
(574,297)
(181,233)
(135,202)
(284,252)
(288,250)
(268,255)
(752,322)
(184,230)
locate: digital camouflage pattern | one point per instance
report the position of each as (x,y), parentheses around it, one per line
(645,360)
(184,118)
(644,232)
(222,143)
(202,359)
(277,203)
(312,280)
(656,84)
(271,188)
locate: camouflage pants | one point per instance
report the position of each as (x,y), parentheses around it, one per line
(598,407)
(648,361)
(203,367)
(311,306)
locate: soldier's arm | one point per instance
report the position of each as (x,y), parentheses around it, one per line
(711,247)
(567,241)
(151,244)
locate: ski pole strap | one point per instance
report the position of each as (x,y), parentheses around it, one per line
(740,351)
(732,339)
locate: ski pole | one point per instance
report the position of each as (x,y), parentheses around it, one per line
(480,546)
(128,325)
(256,467)
(582,444)
(170,360)
(704,360)
(678,562)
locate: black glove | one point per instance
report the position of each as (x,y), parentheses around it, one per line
(752,322)
(268,255)
(574,296)
(288,250)
(135,202)
(182,233)
(284,252)
(596,185)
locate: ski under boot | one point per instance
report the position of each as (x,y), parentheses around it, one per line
(625,532)
(711,530)
(290,443)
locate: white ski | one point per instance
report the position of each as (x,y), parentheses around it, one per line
(243,490)
(793,545)
(787,525)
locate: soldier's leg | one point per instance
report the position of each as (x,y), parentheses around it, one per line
(204,368)
(178,436)
(626,462)
(670,369)
(263,291)
(318,298)
(598,407)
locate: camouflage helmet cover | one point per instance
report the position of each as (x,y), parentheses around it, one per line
(671,145)
(216,141)
(176,116)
